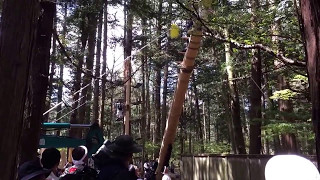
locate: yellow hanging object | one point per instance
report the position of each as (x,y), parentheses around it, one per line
(174,31)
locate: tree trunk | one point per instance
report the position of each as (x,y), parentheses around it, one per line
(157,106)
(255,104)
(235,106)
(310,10)
(75,117)
(143,93)
(127,72)
(148,108)
(104,63)
(164,98)
(52,69)
(197,112)
(96,104)
(209,119)
(39,83)
(255,91)
(61,66)
(17,43)
(157,85)
(288,140)
(92,26)
(86,93)
(267,104)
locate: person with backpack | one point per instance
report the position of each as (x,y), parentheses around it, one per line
(113,159)
(79,170)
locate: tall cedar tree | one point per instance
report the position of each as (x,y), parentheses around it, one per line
(39,83)
(17,48)
(104,63)
(255,93)
(310,10)
(96,99)
(157,86)
(236,128)
(127,53)
(75,116)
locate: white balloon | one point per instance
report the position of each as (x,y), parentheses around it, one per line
(290,167)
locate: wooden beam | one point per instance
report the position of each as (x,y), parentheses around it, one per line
(187,66)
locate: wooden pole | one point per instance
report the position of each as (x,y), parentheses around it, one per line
(187,66)
(127,75)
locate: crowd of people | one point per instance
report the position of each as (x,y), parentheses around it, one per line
(112,161)
(150,168)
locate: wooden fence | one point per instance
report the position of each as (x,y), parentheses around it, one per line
(225,167)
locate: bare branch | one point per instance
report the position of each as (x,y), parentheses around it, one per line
(240,45)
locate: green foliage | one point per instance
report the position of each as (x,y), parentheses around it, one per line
(300,129)
(217,148)
(150,147)
(285,94)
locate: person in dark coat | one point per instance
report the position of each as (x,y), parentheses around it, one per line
(94,138)
(32,170)
(117,158)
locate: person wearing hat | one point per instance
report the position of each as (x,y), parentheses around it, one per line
(118,158)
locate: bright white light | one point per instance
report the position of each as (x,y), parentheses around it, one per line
(290,167)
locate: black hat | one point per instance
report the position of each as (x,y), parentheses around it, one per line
(31,169)
(124,144)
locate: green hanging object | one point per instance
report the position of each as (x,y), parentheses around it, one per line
(174,31)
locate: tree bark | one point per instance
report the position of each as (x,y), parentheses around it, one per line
(157,109)
(96,100)
(39,83)
(61,66)
(197,112)
(86,93)
(288,140)
(143,129)
(75,116)
(157,85)
(104,63)
(127,72)
(234,103)
(92,27)
(52,69)
(17,42)
(310,10)
(255,91)
(255,104)
(209,119)
(148,108)
(164,98)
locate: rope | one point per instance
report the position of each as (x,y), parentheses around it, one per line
(54,107)
(71,111)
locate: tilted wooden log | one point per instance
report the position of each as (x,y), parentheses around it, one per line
(187,66)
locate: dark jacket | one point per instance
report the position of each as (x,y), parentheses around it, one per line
(85,173)
(114,169)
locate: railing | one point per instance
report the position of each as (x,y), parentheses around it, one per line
(225,167)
